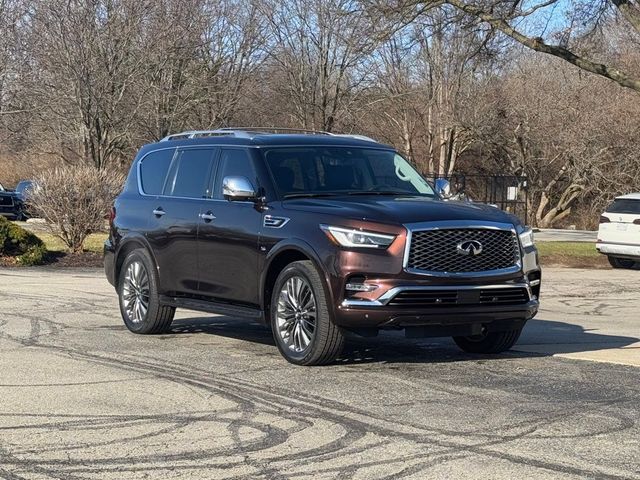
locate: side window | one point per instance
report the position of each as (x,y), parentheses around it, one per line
(237,163)
(190,173)
(153,171)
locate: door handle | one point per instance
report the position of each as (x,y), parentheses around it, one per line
(158,212)
(207,217)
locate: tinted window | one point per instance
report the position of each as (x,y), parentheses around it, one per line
(153,171)
(190,174)
(237,163)
(333,170)
(625,205)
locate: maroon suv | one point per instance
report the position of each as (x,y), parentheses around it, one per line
(314,234)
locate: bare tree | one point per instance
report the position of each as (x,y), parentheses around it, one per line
(89,56)
(231,52)
(320,48)
(167,86)
(506,16)
(425,75)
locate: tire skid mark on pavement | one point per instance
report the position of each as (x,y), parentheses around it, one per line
(286,402)
(254,395)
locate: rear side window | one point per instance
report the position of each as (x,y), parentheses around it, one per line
(190,174)
(625,205)
(234,162)
(153,171)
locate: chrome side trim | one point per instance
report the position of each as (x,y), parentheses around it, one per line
(385,298)
(454,225)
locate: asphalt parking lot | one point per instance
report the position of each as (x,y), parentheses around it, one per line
(81,397)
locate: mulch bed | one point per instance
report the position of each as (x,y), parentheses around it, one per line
(62,260)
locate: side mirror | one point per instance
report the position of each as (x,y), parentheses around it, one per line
(238,188)
(443,187)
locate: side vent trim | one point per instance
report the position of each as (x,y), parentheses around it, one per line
(271,221)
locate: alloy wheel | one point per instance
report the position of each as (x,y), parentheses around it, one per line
(296,316)
(135,292)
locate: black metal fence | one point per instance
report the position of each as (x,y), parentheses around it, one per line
(508,192)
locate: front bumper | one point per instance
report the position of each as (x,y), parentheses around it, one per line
(445,310)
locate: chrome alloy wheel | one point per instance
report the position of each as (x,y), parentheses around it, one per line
(296,315)
(135,292)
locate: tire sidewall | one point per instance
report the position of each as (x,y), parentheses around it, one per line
(623,263)
(142,257)
(322,313)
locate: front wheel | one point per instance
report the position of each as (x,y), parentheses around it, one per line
(300,319)
(140,307)
(493,342)
(621,262)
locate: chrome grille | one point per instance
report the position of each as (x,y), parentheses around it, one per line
(437,250)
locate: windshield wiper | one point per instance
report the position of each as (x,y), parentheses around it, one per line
(381,192)
(309,195)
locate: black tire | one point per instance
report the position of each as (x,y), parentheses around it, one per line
(158,317)
(493,342)
(621,262)
(327,340)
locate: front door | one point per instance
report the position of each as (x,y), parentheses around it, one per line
(228,237)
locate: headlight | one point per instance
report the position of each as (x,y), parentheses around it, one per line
(526,238)
(348,237)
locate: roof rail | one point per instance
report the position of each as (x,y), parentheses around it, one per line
(250,132)
(196,134)
(267,130)
(353,135)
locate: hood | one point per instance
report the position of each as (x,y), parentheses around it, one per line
(400,210)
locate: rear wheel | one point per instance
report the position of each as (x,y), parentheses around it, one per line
(492,342)
(138,293)
(300,319)
(621,262)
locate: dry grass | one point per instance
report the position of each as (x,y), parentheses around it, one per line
(571,254)
(93,243)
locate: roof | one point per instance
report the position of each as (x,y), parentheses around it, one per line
(629,196)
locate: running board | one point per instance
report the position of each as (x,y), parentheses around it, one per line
(226,309)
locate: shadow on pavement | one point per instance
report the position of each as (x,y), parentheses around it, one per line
(561,337)
(551,337)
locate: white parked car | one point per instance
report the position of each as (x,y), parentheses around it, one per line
(619,232)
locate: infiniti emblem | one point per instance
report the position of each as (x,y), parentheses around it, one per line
(469,247)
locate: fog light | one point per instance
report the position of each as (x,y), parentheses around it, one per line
(360,287)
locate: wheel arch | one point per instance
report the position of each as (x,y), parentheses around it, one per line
(278,259)
(128,245)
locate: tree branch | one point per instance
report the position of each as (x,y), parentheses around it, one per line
(629,11)
(539,45)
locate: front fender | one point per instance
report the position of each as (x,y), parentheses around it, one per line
(284,247)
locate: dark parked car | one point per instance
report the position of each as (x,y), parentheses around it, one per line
(315,235)
(12,203)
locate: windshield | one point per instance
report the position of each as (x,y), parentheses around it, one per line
(324,171)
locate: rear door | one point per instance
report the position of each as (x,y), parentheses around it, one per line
(176,216)
(623,226)
(228,243)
